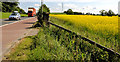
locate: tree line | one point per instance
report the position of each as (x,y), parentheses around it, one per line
(102,12)
(11,6)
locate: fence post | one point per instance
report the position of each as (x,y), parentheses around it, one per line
(46,18)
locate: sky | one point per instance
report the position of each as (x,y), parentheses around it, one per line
(92,6)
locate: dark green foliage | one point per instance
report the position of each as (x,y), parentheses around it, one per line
(78,13)
(69,12)
(43,8)
(107,13)
(11,6)
(0,6)
(102,12)
(43,11)
(110,13)
(88,13)
(65,11)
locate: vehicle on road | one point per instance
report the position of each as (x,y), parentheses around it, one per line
(15,15)
(31,12)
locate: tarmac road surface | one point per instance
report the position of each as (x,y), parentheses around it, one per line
(7,21)
(12,32)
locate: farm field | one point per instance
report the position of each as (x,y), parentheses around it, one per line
(102,29)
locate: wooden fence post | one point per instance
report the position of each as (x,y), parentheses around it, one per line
(46,18)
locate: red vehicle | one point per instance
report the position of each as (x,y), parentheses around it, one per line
(31,12)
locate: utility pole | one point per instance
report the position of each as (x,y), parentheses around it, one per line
(62,7)
(41,6)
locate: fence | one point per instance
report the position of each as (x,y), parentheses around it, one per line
(90,41)
(86,39)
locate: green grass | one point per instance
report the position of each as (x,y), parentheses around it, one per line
(0,15)
(6,15)
(24,15)
(56,44)
(40,47)
(22,50)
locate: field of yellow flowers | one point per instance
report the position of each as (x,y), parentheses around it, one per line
(102,29)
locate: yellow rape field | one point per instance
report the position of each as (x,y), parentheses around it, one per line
(104,26)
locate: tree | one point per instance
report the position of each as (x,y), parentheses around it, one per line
(111,13)
(11,6)
(0,6)
(21,10)
(78,13)
(42,10)
(65,11)
(102,12)
(88,13)
(70,12)
(106,13)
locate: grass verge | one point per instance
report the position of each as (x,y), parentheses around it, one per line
(56,44)
(6,15)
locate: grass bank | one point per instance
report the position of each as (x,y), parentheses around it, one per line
(55,44)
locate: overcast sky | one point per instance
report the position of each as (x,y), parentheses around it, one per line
(92,6)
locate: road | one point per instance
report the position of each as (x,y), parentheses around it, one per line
(12,32)
(7,21)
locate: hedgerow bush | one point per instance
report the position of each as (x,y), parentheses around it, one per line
(43,10)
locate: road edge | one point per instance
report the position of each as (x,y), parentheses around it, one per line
(15,22)
(16,41)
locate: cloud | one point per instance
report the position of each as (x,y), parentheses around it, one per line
(57,0)
(77,5)
(119,8)
(37,9)
(75,8)
(37,5)
(58,7)
(83,1)
(70,5)
(69,0)
(59,4)
(94,8)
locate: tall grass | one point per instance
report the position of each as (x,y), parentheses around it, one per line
(56,44)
